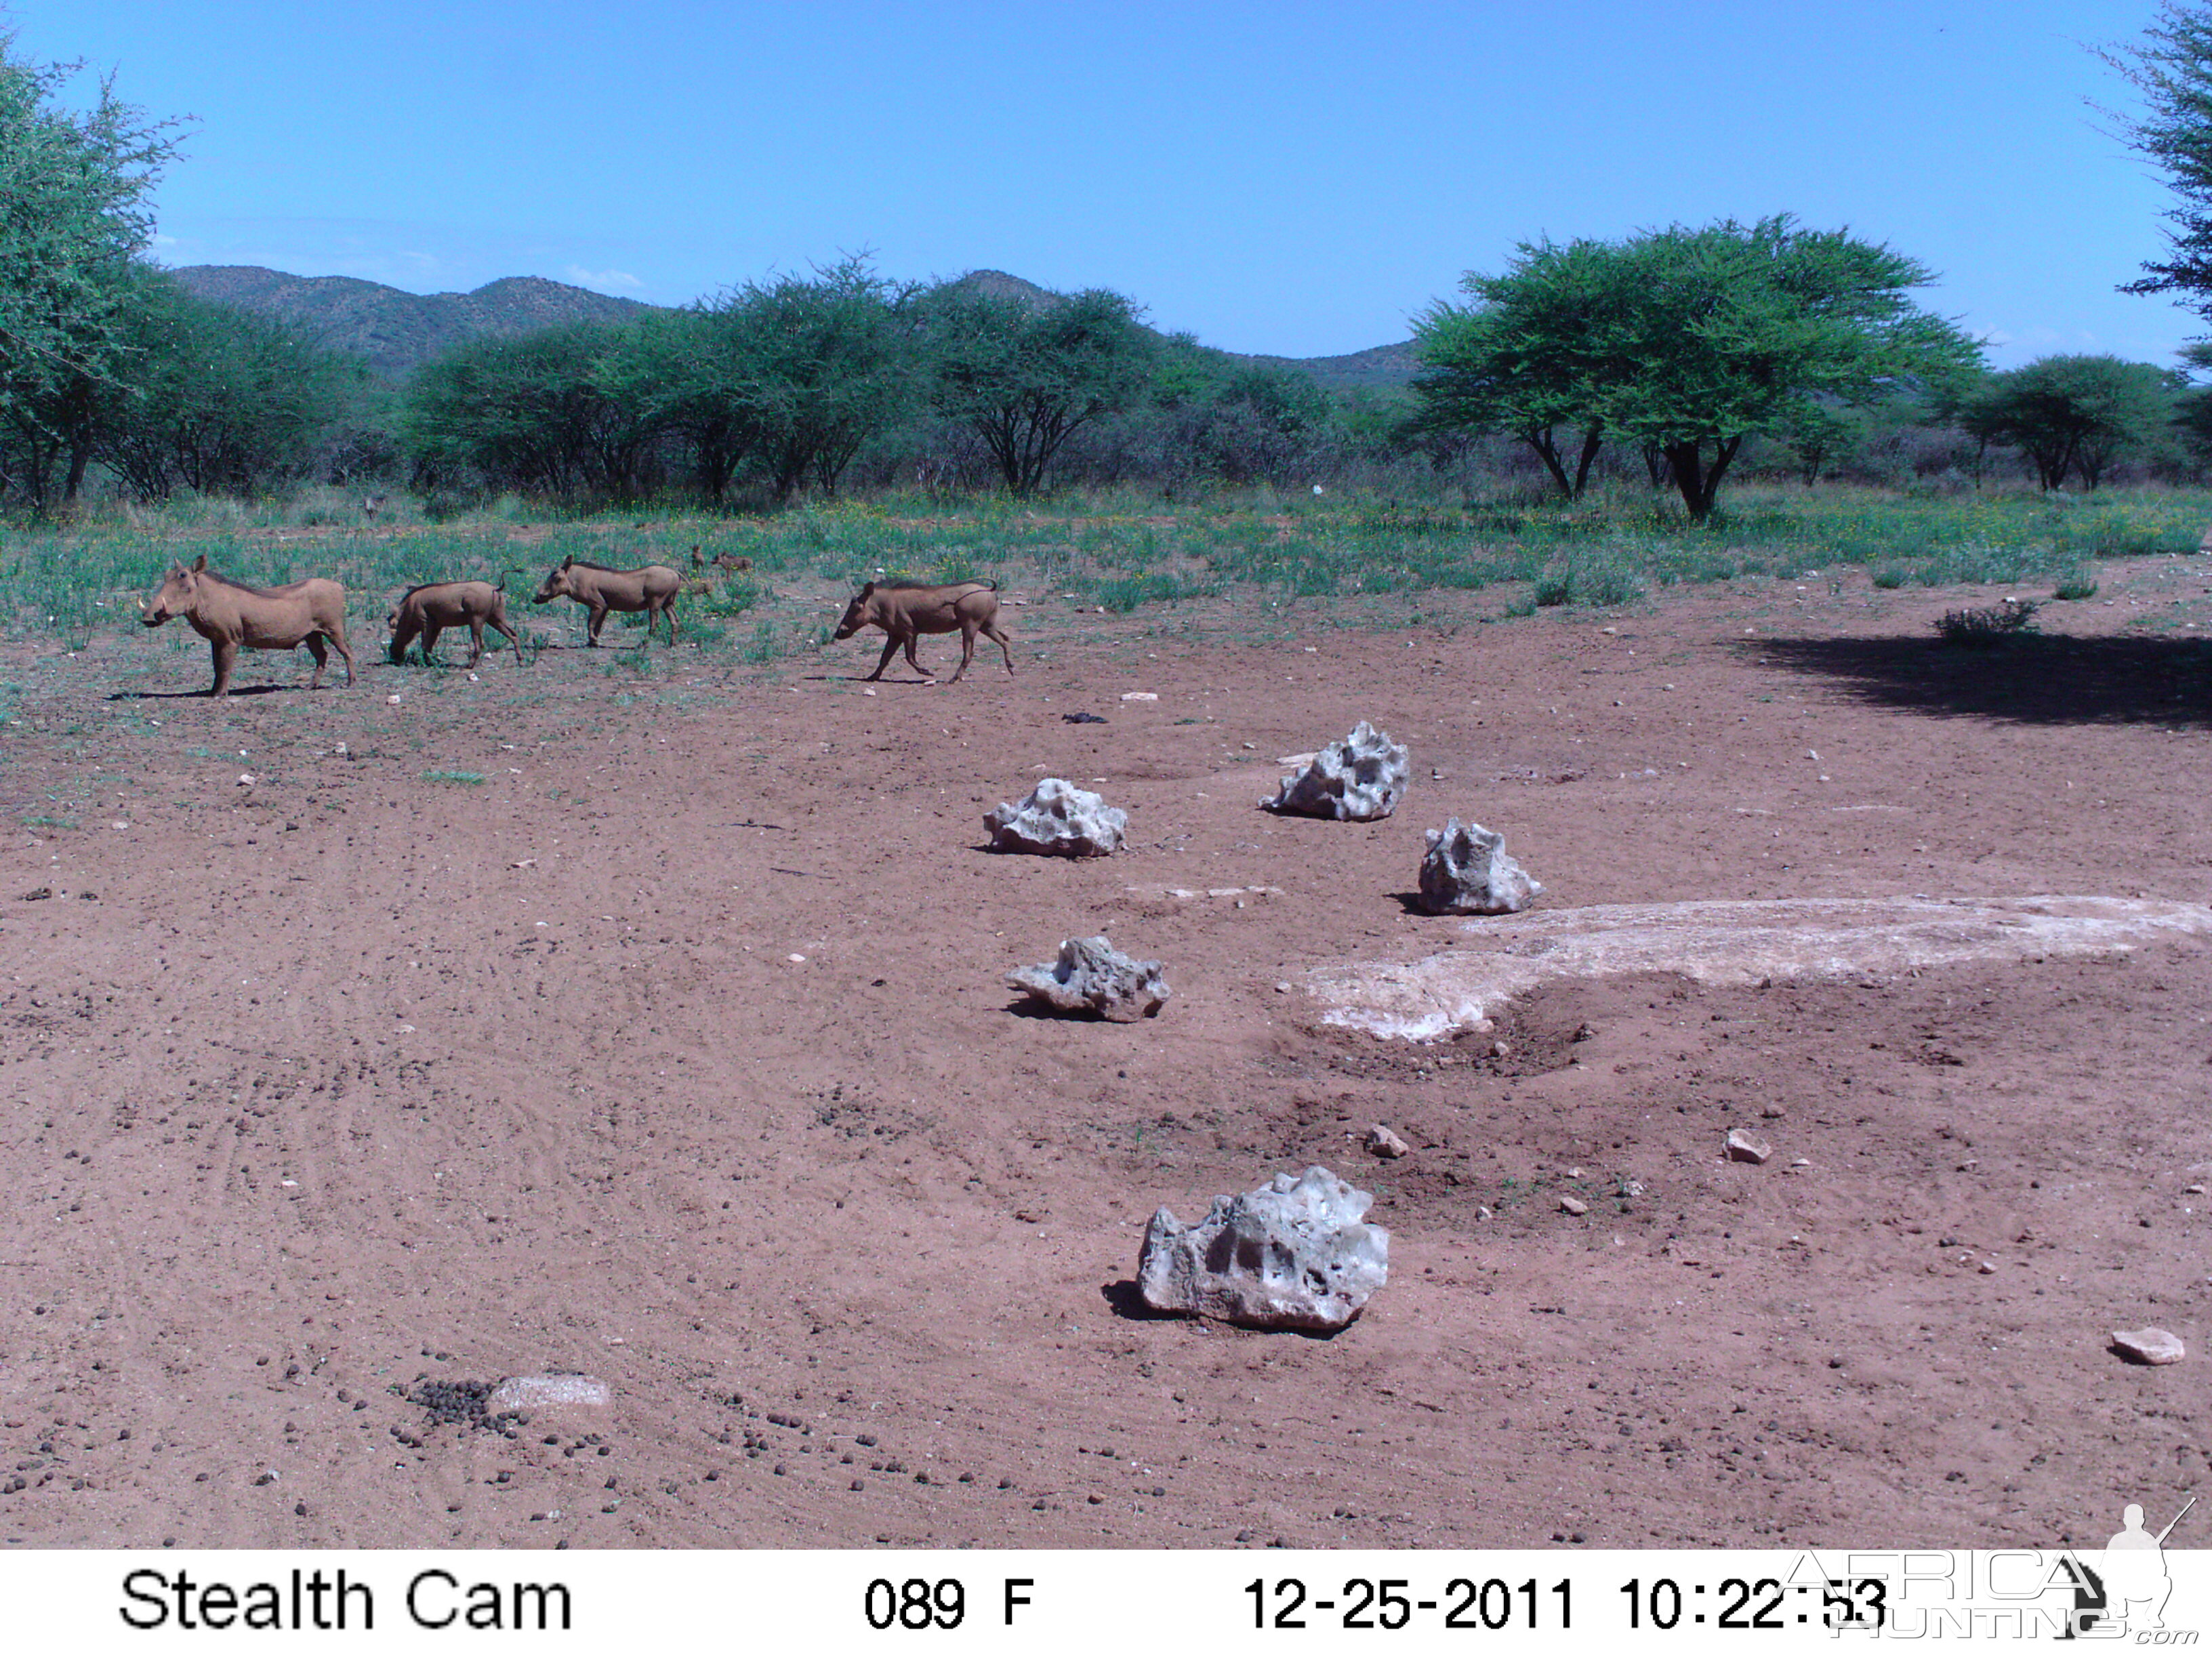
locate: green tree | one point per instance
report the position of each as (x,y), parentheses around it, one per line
(1523,358)
(2073,414)
(831,363)
(1684,343)
(558,412)
(1024,377)
(216,399)
(2173,70)
(74,219)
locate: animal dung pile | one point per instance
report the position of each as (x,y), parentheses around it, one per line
(1059,820)
(1293,1254)
(1092,976)
(1466,873)
(1359,777)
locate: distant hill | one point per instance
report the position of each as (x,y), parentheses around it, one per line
(397,330)
(1378,365)
(393,329)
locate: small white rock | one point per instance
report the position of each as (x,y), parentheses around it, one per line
(535,1394)
(2149,1346)
(1383,1142)
(1742,1149)
(1141,696)
(1574,1206)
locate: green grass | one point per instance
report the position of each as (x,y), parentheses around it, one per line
(452,777)
(1120,550)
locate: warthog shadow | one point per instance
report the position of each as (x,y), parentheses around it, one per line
(197,696)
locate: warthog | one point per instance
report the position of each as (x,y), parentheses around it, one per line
(651,589)
(434,606)
(906,610)
(732,561)
(228,615)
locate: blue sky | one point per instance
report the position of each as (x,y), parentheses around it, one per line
(1282,178)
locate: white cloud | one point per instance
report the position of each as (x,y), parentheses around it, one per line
(599,279)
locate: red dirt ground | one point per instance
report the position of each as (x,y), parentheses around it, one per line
(350,1076)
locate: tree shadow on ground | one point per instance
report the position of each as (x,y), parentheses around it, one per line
(2041,680)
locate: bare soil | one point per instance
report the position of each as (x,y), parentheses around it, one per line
(677,1052)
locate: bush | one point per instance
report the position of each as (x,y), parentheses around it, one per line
(2079,584)
(1988,626)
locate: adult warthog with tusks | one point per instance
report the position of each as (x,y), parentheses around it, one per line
(228,615)
(651,589)
(906,610)
(428,610)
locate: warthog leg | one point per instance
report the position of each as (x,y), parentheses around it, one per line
(890,648)
(513,638)
(335,635)
(321,654)
(591,628)
(429,644)
(968,632)
(226,657)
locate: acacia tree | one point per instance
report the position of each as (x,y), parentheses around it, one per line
(1522,359)
(2173,70)
(2073,414)
(556,411)
(1024,376)
(214,398)
(830,363)
(1686,342)
(74,218)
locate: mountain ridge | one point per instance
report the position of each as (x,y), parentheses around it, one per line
(395,330)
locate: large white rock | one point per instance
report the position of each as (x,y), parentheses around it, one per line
(1466,873)
(1293,1254)
(1092,975)
(1357,777)
(1060,820)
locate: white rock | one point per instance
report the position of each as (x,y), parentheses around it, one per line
(1466,873)
(534,1394)
(2149,1346)
(1742,1149)
(1293,1254)
(1383,1141)
(1057,819)
(1574,1207)
(1092,975)
(1360,778)
(1141,696)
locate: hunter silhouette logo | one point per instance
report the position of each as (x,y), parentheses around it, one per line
(2129,1589)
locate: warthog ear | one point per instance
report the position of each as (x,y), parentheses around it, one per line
(200,563)
(566,562)
(869,589)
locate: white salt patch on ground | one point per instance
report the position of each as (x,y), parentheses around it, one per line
(1731,942)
